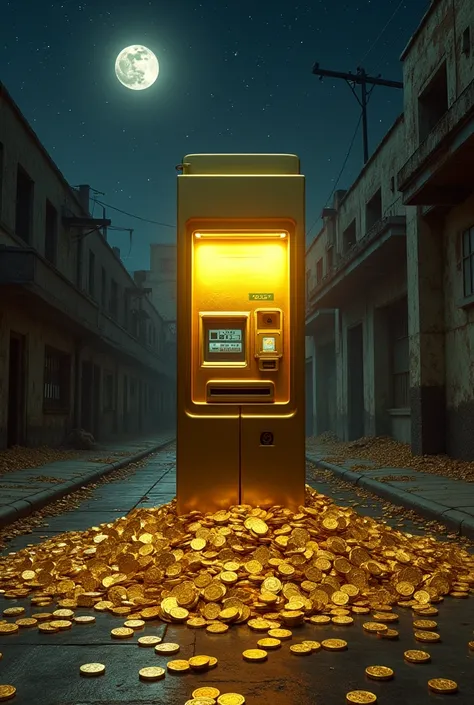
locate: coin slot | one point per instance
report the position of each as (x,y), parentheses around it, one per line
(240,393)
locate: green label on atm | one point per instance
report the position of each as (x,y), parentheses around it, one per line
(261,297)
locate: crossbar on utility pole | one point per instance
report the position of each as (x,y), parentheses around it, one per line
(362,79)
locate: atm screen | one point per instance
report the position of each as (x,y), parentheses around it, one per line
(225,340)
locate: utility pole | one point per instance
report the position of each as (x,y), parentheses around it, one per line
(362,79)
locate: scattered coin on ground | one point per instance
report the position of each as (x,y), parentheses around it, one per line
(92,669)
(442,685)
(148,640)
(206,692)
(121,633)
(167,649)
(379,673)
(255,655)
(416,656)
(7,692)
(361,697)
(178,666)
(334,644)
(231,699)
(151,673)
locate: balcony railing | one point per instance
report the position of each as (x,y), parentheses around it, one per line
(370,236)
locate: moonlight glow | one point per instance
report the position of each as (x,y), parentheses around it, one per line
(136,67)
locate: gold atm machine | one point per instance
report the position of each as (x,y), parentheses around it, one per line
(240,332)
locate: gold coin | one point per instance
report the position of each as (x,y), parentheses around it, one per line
(320,619)
(416,656)
(199,663)
(92,669)
(255,655)
(334,644)
(85,619)
(27,622)
(134,623)
(385,617)
(471,645)
(148,640)
(201,701)
(13,611)
(379,673)
(425,624)
(178,614)
(47,628)
(389,634)
(313,645)
(374,627)
(342,620)
(206,692)
(178,666)
(151,673)
(427,636)
(340,598)
(269,643)
(361,697)
(212,662)
(8,628)
(7,692)
(281,634)
(303,649)
(63,614)
(61,624)
(196,623)
(167,649)
(442,685)
(217,628)
(231,699)
(42,616)
(122,633)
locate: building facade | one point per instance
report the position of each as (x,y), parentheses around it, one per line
(356,325)
(391,336)
(81,344)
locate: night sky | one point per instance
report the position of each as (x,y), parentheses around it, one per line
(234,77)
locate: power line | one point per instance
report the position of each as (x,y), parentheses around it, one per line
(138,217)
(362,79)
(349,150)
(382,31)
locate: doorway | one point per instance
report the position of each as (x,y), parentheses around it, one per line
(355,381)
(16,390)
(90,398)
(309,397)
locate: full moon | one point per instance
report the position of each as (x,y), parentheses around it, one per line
(136,67)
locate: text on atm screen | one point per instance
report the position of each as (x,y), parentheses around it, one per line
(225,340)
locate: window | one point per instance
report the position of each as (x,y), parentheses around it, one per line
(433,102)
(50,233)
(349,237)
(113,304)
(109,404)
(125,309)
(330,258)
(57,376)
(466,41)
(308,281)
(319,270)
(373,210)
(468,261)
(103,288)
(91,273)
(167,265)
(400,354)
(24,205)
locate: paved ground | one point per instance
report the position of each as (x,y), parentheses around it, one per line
(44,668)
(23,491)
(444,499)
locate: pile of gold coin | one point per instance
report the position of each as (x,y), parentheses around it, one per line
(271,568)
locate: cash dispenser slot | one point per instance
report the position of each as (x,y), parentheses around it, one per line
(240,392)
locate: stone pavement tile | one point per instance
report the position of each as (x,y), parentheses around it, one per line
(447,498)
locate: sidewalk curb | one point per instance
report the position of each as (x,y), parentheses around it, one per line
(454,519)
(22,508)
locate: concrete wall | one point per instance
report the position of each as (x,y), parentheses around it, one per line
(438,38)
(459,336)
